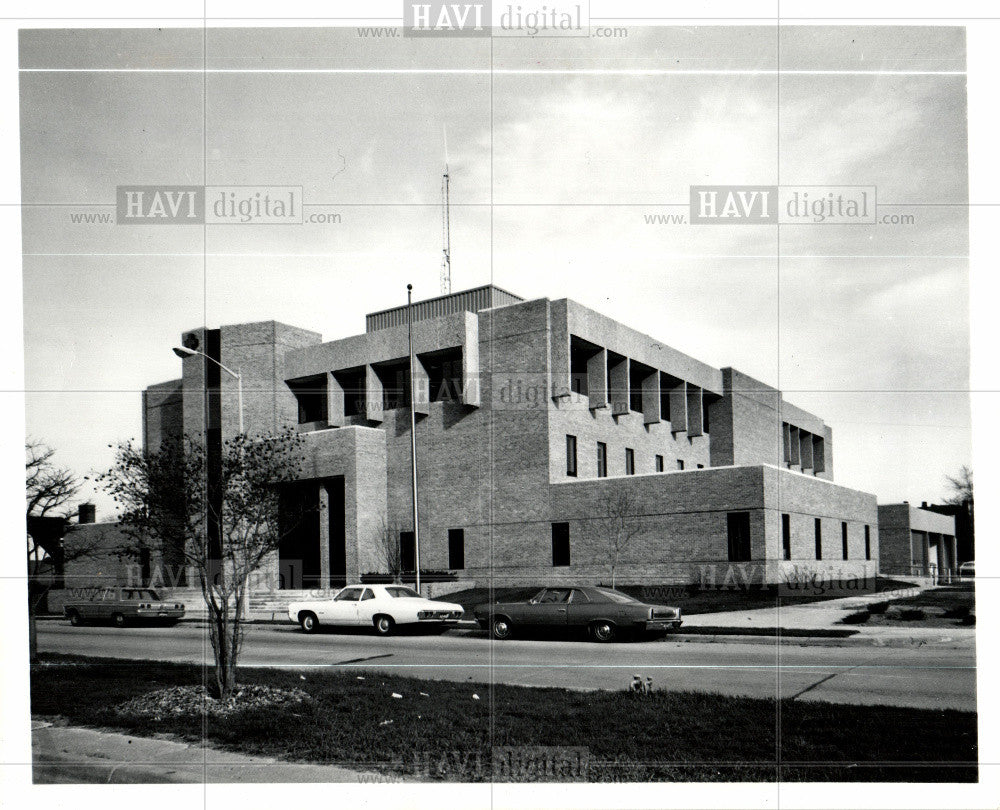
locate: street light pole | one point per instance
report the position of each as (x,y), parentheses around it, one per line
(183,351)
(413,435)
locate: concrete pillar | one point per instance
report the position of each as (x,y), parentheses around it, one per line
(373,395)
(619,387)
(420,390)
(470,362)
(334,402)
(786,443)
(806,450)
(651,398)
(695,413)
(795,446)
(324,535)
(679,408)
(818,454)
(597,379)
(926,553)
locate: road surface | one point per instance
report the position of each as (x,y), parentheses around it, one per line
(930,676)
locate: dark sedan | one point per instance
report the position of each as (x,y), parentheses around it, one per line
(604,613)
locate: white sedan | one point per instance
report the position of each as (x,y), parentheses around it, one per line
(380,606)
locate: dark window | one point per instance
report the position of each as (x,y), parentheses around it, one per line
(843,538)
(354,384)
(819,538)
(738,526)
(571,455)
(602,460)
(634,388)
(704,415)
(659,463)
(560,544)
(868,542)
(444,375)
(310,394)
(407,552)
(701,466)
(580,353)
(629,461)
(456,549)
(680,464)
(786,536)
(395,379)
(368,594)
(664,398)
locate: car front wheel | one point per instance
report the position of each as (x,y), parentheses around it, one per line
(74,619)
(309,622)
(501,628)
(118,619)
(603,631)
(383,625)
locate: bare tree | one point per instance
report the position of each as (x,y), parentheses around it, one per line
(617,524)
(960,488)
(390,546)
(224,510)
(49,491)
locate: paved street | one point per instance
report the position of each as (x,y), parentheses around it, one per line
(929,676)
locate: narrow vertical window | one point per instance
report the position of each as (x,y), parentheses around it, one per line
(571,456)
(456,549)
(868,542)
(659,463)
(560,544)
(786,536)
(819,539)
(629,461)
(843,538)
(602,460)
(680,464)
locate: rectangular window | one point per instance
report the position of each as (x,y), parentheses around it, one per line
(659,463)
(868,542)
(456,549)
(786,536)
(843,538)
(819,539)
(738,528)
(560,544)
(571,455)
(680,464)
(704,415)
(407,552)
(629,461)
(602,460)
(310,395)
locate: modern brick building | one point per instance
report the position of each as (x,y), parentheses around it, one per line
(528,414)
(917,541)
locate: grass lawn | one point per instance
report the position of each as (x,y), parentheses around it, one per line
(947,606)
(447,734)
(692,599)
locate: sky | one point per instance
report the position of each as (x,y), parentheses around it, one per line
(558,151)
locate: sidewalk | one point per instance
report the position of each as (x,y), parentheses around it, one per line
(71,755)
(824,616)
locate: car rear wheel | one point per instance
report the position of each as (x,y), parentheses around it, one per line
(383,624)
(74,618)
(309,622)
(118,619)
(602,631)
(501,628)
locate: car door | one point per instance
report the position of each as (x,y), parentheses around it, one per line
(368,606)
(105,606)
(343,608)
(580,609)
(549,608)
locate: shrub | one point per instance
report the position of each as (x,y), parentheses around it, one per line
(956,612)
(878,608)
(911,614)
(856,618)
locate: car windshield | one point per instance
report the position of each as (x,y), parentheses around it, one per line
(615,596)
(348,595)
(398,592)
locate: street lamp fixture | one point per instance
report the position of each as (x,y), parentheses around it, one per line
(183,352)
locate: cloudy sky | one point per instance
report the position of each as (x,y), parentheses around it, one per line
(559,152)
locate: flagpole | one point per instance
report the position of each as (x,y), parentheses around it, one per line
(413,434)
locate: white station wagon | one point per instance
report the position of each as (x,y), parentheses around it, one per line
(379,606)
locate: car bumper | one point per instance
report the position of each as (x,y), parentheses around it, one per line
(663,624)
(171,613)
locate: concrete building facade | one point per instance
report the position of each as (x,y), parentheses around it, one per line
(530,415)
(917,541)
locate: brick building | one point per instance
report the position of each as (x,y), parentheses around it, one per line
(528,414)
(917,541)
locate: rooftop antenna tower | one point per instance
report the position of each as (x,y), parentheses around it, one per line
(445,224)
